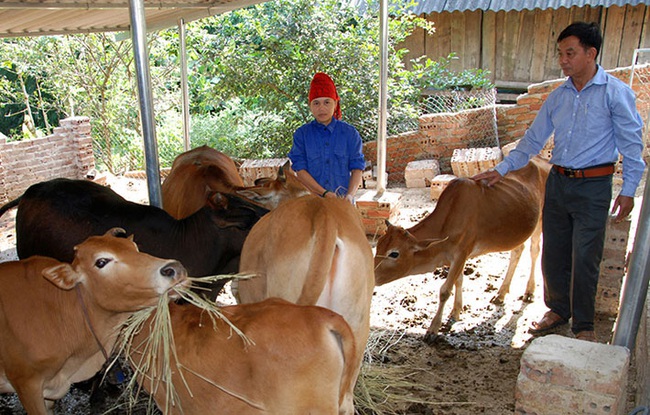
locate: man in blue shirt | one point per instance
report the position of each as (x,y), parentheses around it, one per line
(594,118)
(327,153)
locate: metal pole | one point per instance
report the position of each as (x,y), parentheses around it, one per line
(141,53)
(383,79)
(635,288)
(184,88)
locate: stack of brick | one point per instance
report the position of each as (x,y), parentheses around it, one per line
(420,173)
(375,208)
(251,170)
(439,183)
(565,376)
(466,162)
(612,267)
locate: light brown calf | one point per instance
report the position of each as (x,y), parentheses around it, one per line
(47,309)
(203,170)
(300,362)
(313,251)
(470,219)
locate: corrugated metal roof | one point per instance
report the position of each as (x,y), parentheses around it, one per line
(438,6)
(53,17)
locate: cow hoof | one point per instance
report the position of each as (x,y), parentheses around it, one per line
(431,338)
(446,328)
(497,301)
(528,298)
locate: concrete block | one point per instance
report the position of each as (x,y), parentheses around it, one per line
(565,376)
(439,183)
(419,173)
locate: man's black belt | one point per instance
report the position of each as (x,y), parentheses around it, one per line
(595,171)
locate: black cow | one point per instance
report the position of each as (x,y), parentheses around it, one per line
(56,215)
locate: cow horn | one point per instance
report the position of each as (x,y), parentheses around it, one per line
(116,232)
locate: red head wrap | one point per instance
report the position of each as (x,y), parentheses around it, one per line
(322,86)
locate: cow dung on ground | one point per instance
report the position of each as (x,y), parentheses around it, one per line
(470,369)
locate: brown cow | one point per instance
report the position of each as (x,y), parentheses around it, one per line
(312,251)
(58,320)
(470,219)
(301,361)
(198,172)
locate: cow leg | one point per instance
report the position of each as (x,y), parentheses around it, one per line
(535,239)
(31,397)
(455,272)
(515,255)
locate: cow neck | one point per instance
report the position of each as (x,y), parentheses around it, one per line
(88,322)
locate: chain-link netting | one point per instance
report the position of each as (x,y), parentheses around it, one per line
(480,128)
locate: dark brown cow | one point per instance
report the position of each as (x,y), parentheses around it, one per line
(301,361)
(470,219)
(56,215)
(312,251)
(204,170)
(58,319)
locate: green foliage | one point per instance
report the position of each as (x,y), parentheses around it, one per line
(266,55)
(439,75)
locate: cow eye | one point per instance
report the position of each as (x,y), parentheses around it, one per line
(393,255)
(101,262)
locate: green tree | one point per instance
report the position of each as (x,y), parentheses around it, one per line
(264,56)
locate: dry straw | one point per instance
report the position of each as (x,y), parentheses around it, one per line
(157,359)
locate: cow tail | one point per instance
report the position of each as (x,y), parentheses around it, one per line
(9,205)
(322,260)
(344,337)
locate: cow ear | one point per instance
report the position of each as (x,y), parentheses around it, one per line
(428,243)
(62,275)
(281,176)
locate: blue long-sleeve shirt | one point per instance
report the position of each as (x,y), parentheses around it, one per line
(591,127)
(329,153)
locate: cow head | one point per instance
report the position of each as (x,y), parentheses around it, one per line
(117,276)
(231,211)
(397,252)
(271,192)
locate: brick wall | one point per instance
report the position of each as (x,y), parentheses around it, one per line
(440,134)
(66,153)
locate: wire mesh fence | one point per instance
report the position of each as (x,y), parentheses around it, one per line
(481,131)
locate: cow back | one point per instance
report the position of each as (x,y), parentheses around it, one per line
(194,174)
(297,361)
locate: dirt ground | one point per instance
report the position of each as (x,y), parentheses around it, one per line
(471,369)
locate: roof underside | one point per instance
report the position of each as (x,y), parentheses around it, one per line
(55,17)
(438,6)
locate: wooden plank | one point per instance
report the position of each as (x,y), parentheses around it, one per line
(488,49)
(631,34)
(471,58)
(510,42)
(415,43)
(593,14)
(612,37)
(540,41)
(457,39)
(438,45)
(501,34)
(561,19)
(524,51)
(645,33)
